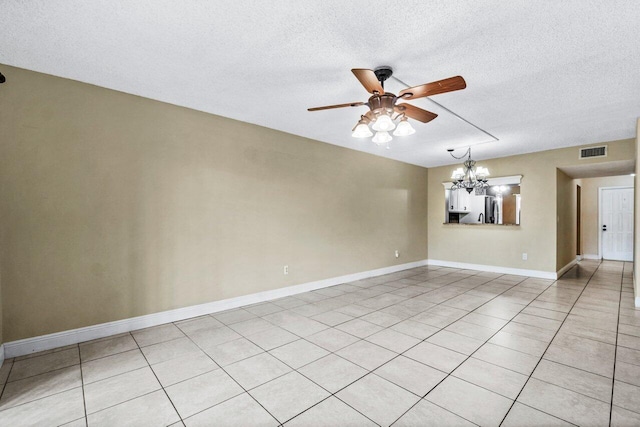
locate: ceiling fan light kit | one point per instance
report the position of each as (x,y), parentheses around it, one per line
(385,114)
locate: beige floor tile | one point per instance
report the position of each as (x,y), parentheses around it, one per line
(167,350)
(529,331)
(333,372)
(381,318)
(524,416)
(251,326)
(304,327)
(359,328)
(626,396)
(393,340)
(202,323)
(233,316)
(262,309)
(42,364)
(332,339)
(153,409)
(564,404)
(107,347)
(182,368)
(4,372)
(80,422)
(328,413)
(120,388)
(410,375)
(109,366)
(382,401)
(492,377)
(241,410)
(272,338)
(299,353)
(469,401)
(289,395)
(486,321)
(540,322)
(455,342)
(39,386)
(623,418)
(42,353)
(54,410)
(426,413)
(415,329)
(628,355)
(585,354)
(629,341)
(332,318)
(233,351)
(471,330)
(435,356)
(257,370)
(202,392)
(628,373)
(516,342)
(580,381)
(157,334)
(366,354)
(211,338)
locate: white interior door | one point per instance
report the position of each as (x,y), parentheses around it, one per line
(616,213)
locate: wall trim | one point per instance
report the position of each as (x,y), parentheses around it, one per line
(637,301)
(1,354)
(74,336)
(567,267)
(495,269)
(590,256)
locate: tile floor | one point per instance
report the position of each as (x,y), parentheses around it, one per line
(428,346)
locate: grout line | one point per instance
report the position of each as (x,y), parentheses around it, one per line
(615,351)
(156,376)
(84,399)
(547,348)
(485,342)
(4,386)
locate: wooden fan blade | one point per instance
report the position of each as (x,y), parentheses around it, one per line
(328,107)
(416,113)
(434,88)
(368,79)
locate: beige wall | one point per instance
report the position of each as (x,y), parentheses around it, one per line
(636,251)
(503,245)
(116,206)
(566,220)
(589,217)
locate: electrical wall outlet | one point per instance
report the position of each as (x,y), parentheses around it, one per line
(524,256)
(397,253)
(286,270)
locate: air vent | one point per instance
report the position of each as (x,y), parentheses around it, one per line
(587,153)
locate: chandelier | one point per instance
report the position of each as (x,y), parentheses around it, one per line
(470,178)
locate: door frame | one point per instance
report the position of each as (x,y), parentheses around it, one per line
(618,187)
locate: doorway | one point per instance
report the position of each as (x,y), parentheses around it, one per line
(616,223)
(578,220)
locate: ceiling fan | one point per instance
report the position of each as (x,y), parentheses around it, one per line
(384,108)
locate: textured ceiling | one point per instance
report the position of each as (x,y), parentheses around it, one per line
(540,75)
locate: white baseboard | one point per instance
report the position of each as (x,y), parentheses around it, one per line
(637,301)
(495,269)
(567,267)
(74,336)
(590,256)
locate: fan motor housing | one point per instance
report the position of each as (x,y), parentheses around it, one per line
(385,101)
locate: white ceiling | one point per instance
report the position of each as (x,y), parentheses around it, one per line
(540,75)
